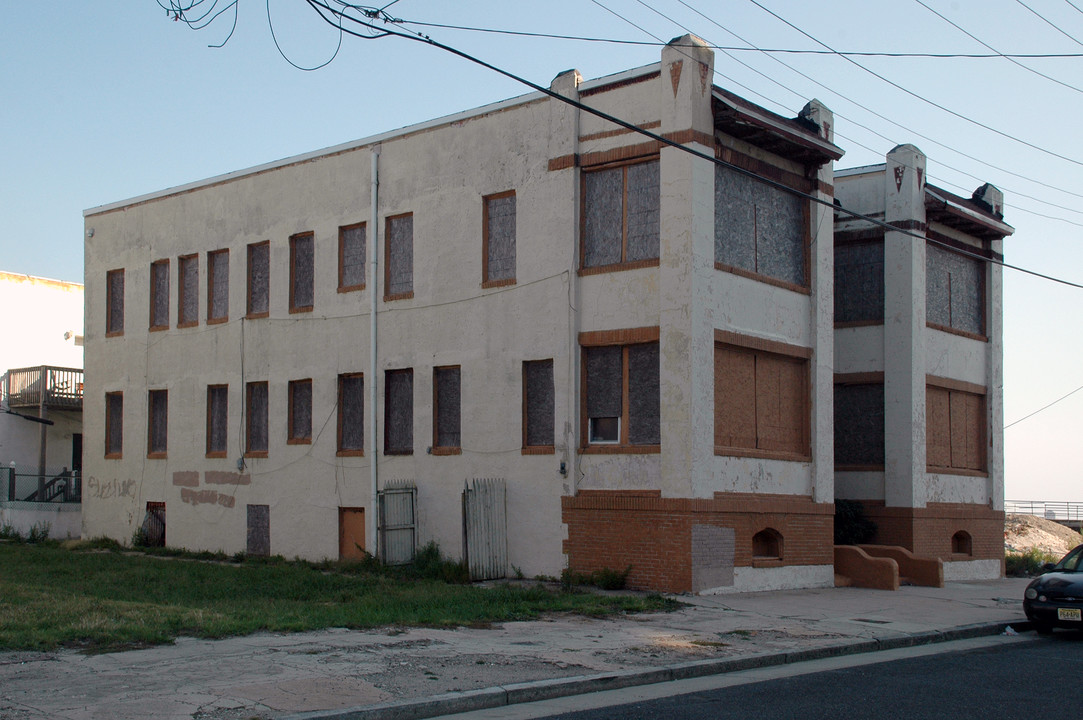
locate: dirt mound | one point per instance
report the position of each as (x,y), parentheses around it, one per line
(1030,532)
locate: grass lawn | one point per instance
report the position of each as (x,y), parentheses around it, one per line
(75,596)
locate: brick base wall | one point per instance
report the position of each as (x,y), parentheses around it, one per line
(654,535)
(928,531)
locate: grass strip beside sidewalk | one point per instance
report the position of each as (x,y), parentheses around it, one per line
(52,596)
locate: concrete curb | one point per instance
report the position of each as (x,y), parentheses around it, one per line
(458,702)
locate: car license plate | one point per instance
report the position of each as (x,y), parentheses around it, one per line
(1069,614)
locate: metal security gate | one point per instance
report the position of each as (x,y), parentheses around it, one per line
(485,528)
(398,523)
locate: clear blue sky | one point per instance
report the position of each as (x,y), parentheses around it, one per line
(106,101)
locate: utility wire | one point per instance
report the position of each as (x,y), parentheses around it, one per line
(1049,23)
(899,125)
(780,51)
(1063,397)
(978,40)
(920,97)
(320,5)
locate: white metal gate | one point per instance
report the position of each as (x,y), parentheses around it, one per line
(398,523)
(485,528)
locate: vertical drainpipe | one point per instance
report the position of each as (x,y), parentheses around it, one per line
(573,340)
(374,234)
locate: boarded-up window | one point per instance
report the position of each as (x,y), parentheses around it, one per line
(761,403)
(399,412)
(538,404)
(217,286)
(188,302)
(259,279)
(621,218)
(622,395)
(859,425)
(114,424)
(351,414)
(499,238)
(954,291)
(159,295)
(759,228)
(351,257)
(114,302)
(447,420)
(256,419)
(157,422)
(301,261)
(399,279)
(955,430)
(859,282)
(300,411)
(217,416)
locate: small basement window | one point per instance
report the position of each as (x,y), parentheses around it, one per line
(767,544)
(961,543)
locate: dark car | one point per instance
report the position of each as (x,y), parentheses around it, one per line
(1055,599)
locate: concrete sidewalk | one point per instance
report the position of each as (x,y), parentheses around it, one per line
(422,672)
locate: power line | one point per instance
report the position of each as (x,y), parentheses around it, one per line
(920,97)
(374,14)
(1049,22)
(900,126)
(780,51)
(975,38)
(1025,417)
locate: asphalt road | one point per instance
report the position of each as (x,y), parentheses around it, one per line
(1033,678)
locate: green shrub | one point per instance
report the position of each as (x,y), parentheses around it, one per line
(606,578)
(430,564)
(1027,564)
(8,532)
(851,525)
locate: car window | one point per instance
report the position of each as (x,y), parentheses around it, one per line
(1070,562)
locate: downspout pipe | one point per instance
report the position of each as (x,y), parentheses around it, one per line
(373,288)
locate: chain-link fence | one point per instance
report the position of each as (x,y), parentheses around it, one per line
(24,483)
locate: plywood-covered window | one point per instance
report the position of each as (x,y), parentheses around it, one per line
(399,251)
(256,399)
(859,425)
(301,269)
(538,406)
(114,303)
(188,291)
(447,413)
(157,423)
(217,417)
(761,403)
(954,291)
(859,283)
(351,257)
(621,216)
(159,295)
(217,286)
(351,414)
(622,398)
(399,412)
(114,424)
(955,430)
(498,258)
(759,229)
(299,408)
(259,279)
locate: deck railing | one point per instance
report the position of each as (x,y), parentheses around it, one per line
(23,485)
(58,387)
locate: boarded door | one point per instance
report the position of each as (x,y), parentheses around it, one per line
(485,528)
(259,530)
(398,524)
(351,533)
